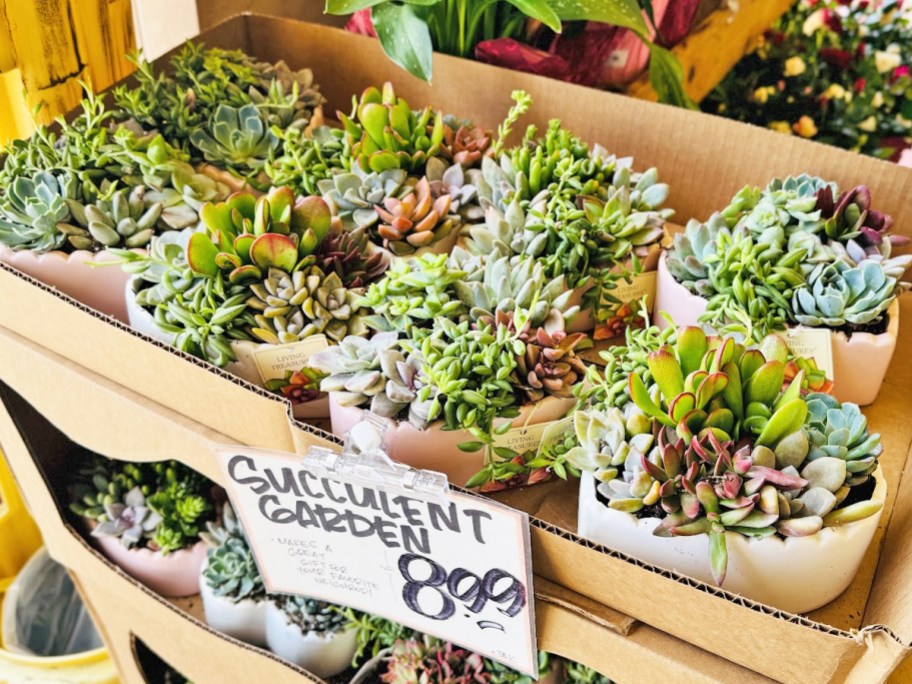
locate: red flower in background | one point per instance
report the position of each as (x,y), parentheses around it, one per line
(841,59)
(860,84)
(898,73)
(832,20)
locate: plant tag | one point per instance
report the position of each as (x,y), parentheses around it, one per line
(451,564)
(816,343)
(640,284)
(524,438)
(274,360)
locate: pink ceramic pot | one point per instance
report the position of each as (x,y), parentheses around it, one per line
(171,575)
(684,307)
(860,362)
(437,449)
(584,321)
(101,288)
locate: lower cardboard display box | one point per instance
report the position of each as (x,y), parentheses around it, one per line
(620,616)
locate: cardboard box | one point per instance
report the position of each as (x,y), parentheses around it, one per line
(861,637)
(39,433)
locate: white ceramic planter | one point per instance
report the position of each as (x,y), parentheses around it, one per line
(99,287)
(435,448)
(171,575)
(584,321)
(245,367)
(325,655)
(244,620)
(795,574)
(860,362)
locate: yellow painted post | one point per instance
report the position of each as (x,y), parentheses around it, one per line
(55,44)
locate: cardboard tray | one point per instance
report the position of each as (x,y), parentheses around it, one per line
(860,637)
(41,435)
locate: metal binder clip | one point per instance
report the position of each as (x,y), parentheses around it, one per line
(363,460)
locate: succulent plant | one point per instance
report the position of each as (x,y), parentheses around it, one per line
(412,293)
(302,162)
(227,525)
(349,255)
(235,137)
(429,660)
(686,260)
(458,184)
(464,144)
(124,219)
(516,285)
(231,571)
(353,195)
(182,501)
(312,616)
(417,220)
(384,133)
(404,389)
(293,306)
(188,193)
(841,431)
(576,673)
(130,521)
(353,371)
(605,443)
(850,217)
(853,254)
(32,209)
(838,295)
(247,235)
(298,386)
(549,365)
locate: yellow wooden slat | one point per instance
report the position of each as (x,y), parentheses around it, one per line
(15,119)
(56,44)
(714,48)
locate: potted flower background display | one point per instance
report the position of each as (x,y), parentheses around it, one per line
(147,518)
(720,468)
(796,254)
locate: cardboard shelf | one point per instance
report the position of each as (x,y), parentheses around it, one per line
(150,402)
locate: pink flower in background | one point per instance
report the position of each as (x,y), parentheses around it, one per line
(512,54)
(360,23)
(899,72)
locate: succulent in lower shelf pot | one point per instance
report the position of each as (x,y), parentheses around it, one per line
(430,660)
(312,616)
(720,443)
(231,571)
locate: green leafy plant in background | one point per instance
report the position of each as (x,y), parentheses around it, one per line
(411,30)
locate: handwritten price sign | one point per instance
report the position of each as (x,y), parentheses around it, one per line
(449,564)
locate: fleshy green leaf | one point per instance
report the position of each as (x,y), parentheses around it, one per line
(666,76)
(405,38)
(540,10)
(349,6)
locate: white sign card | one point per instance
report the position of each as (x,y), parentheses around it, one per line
(813,343)
(449,564)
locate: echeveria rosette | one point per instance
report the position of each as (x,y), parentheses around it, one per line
(836,296)
(353,195)
(32,208)
(231,571)
(416,220)
(686,259)
(841,431)
(130,521)
(237,138)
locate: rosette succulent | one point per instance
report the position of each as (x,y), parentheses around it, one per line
(458,183)
(231,571)
(312,616)
(429,660)
(236,137)
(348,254)
(836,295)
(464,144)
(384,133)
(129,521)
(686,259)
(353,195)
(32,209)
(549,365)
(123,219)
(414,221)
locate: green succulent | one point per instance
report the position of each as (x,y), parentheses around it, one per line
(184,507)
(412,294)
(838,295)
(349,254)
(236,137)
(302,162)
(124,219)
(353,195)
(231,571)
(576,673)
(183,200)
(32,209)
(517,285)
(247,235)
(353,370)
(841,431)
(293,306)
(459,184)
(312,616)
(384,133)
(686,260)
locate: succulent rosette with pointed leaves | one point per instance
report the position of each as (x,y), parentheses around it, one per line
(416,220)
(720,443)
(838,296)
(353,195)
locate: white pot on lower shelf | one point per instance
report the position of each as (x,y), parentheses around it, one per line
(98,287)
(795,574)
(325,655)
(245,367)
(860,362)
(244,620)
